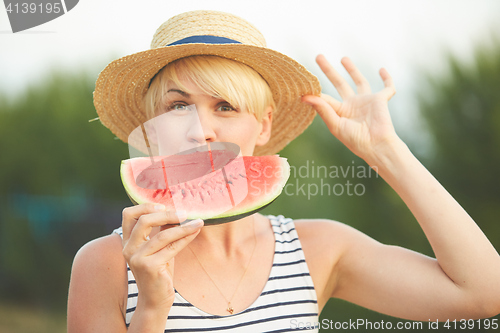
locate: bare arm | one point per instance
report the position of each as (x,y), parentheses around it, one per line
(463,281)
(467,270)
(97,287)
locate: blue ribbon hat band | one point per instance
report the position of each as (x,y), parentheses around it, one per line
(204,39)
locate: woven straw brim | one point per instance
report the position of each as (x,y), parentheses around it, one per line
(122,85)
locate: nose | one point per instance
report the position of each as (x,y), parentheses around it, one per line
(201,129)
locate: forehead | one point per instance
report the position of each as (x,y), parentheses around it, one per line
(188,89)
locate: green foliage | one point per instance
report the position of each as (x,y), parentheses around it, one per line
(48,145)
(60,177)
(462,111)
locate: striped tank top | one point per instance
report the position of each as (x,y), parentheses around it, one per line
(288,301)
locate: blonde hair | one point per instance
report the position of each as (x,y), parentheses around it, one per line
(223,78)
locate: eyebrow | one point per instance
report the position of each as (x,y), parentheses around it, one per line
(183,93)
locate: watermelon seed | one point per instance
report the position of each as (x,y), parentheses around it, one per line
(241,175)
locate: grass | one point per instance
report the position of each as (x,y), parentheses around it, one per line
(23,319)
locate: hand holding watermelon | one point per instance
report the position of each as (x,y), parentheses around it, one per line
(361,121)
(152,259)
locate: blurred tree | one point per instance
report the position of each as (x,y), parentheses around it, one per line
(59,182)
(462,111)
(48,145)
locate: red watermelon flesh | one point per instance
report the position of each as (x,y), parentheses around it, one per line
(242,187)
(180,168)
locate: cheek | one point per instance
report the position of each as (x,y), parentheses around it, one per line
(167,140)
(245,135)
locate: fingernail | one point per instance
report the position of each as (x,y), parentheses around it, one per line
(159,207)
(181,215)
(192,223)
(305,101)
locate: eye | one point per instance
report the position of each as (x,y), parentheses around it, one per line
(176,106)
(226,108)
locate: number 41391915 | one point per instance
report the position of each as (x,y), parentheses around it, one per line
(472,324)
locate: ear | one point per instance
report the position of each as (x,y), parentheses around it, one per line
(266,125)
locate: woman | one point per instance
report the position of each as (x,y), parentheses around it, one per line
(265,273)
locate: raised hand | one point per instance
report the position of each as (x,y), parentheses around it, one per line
(361,121)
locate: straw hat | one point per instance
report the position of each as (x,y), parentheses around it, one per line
(122,85)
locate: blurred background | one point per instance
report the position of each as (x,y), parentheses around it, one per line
(59,174)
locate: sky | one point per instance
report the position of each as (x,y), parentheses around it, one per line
(408,38)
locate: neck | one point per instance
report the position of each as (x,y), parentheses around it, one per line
(225,239)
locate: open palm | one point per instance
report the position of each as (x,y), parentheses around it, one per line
(361,121)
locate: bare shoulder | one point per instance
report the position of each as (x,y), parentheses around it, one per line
(101,255)
(326,234)
(98,283)
(108,242)
(100,262)
(320,237)
(324,242)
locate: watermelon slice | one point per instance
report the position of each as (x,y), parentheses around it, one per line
(237,187)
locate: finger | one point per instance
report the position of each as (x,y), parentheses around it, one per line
(147,222)
(389,88)
(311,100)
(360,81)
(325,110)
(335,104)
(335,78)
(131,215)
(166,256)
(171,238)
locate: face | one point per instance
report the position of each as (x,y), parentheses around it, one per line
(194,119)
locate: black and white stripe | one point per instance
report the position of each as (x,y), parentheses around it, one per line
(287,300)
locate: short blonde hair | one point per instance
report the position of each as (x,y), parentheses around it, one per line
(223,78)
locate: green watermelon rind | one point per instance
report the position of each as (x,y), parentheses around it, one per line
(231,218)
(227,216)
